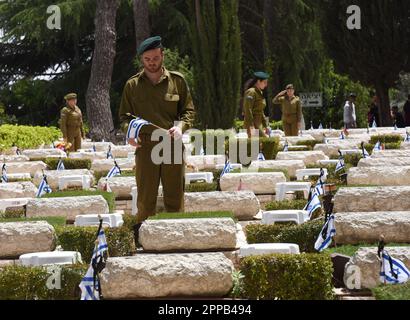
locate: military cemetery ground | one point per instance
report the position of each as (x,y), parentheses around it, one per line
(254,232)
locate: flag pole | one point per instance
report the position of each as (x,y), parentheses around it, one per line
(152,124)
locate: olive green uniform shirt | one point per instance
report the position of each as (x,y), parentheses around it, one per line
(291,108)
(71,122)
(254,106)
(161,104)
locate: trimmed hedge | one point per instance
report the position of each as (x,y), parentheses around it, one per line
(286,205)
(388,146)
(201,187)
(304,235)
(130,220)
(309,143)
(124,173)
(69,164)
(120,241)
(108,196)
(388,138)
(287,277)
(215,135)
(26,137)
(29,283)
(275,125)
(392,292)
(54,221)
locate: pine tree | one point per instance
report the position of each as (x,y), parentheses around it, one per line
(217,54)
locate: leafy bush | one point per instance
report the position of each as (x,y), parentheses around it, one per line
(268,146)
(287,277)
(69,164)
(201,187)
(108,196)
(353,159)
(120,240)
(26,137)
(304,235)
(29,283)
(388,138)
(392,292)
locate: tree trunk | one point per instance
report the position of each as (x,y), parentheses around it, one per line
(98,93)
(141,21)
(384,107)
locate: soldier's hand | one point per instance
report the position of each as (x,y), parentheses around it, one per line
(134,143)
(175,132)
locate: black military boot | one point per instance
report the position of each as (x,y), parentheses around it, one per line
(136,234)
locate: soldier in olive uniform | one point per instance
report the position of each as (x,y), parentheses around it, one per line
(71,123)
(255,104)
(161,97)
(291,110)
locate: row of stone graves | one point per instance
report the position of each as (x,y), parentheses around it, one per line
(197,257)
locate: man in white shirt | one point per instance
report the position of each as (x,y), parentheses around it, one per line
(349,116)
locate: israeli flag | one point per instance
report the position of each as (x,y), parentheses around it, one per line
(18,152)
(43,188)
(326,235)
(393,271)
(321,126)
(342,136)
(90,284)
(135,127)
(261,157)
(374,126)
(94,148)
(313,204)
(60,166)
(109,153)
(4,178)
(286,147)
(227,169)
(407,139)
(378,146)
(115,171)
(319,189)
(340,165)
(365,153)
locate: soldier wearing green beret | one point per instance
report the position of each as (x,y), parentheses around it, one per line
(255,104)
(291,110)
(71,123)
(161,97)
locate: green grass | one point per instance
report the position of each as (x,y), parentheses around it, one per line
(392,292)
(54,221)
(201,187)
(193,215)
(108,196)
(350,250)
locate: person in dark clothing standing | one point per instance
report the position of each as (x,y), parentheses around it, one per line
(406,110)
(373,114)
(397,117)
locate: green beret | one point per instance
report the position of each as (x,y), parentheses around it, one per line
(260,75)
(149,44)
(70,96)
(290,86)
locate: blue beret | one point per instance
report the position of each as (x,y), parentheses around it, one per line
(261,75)
(149,44)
